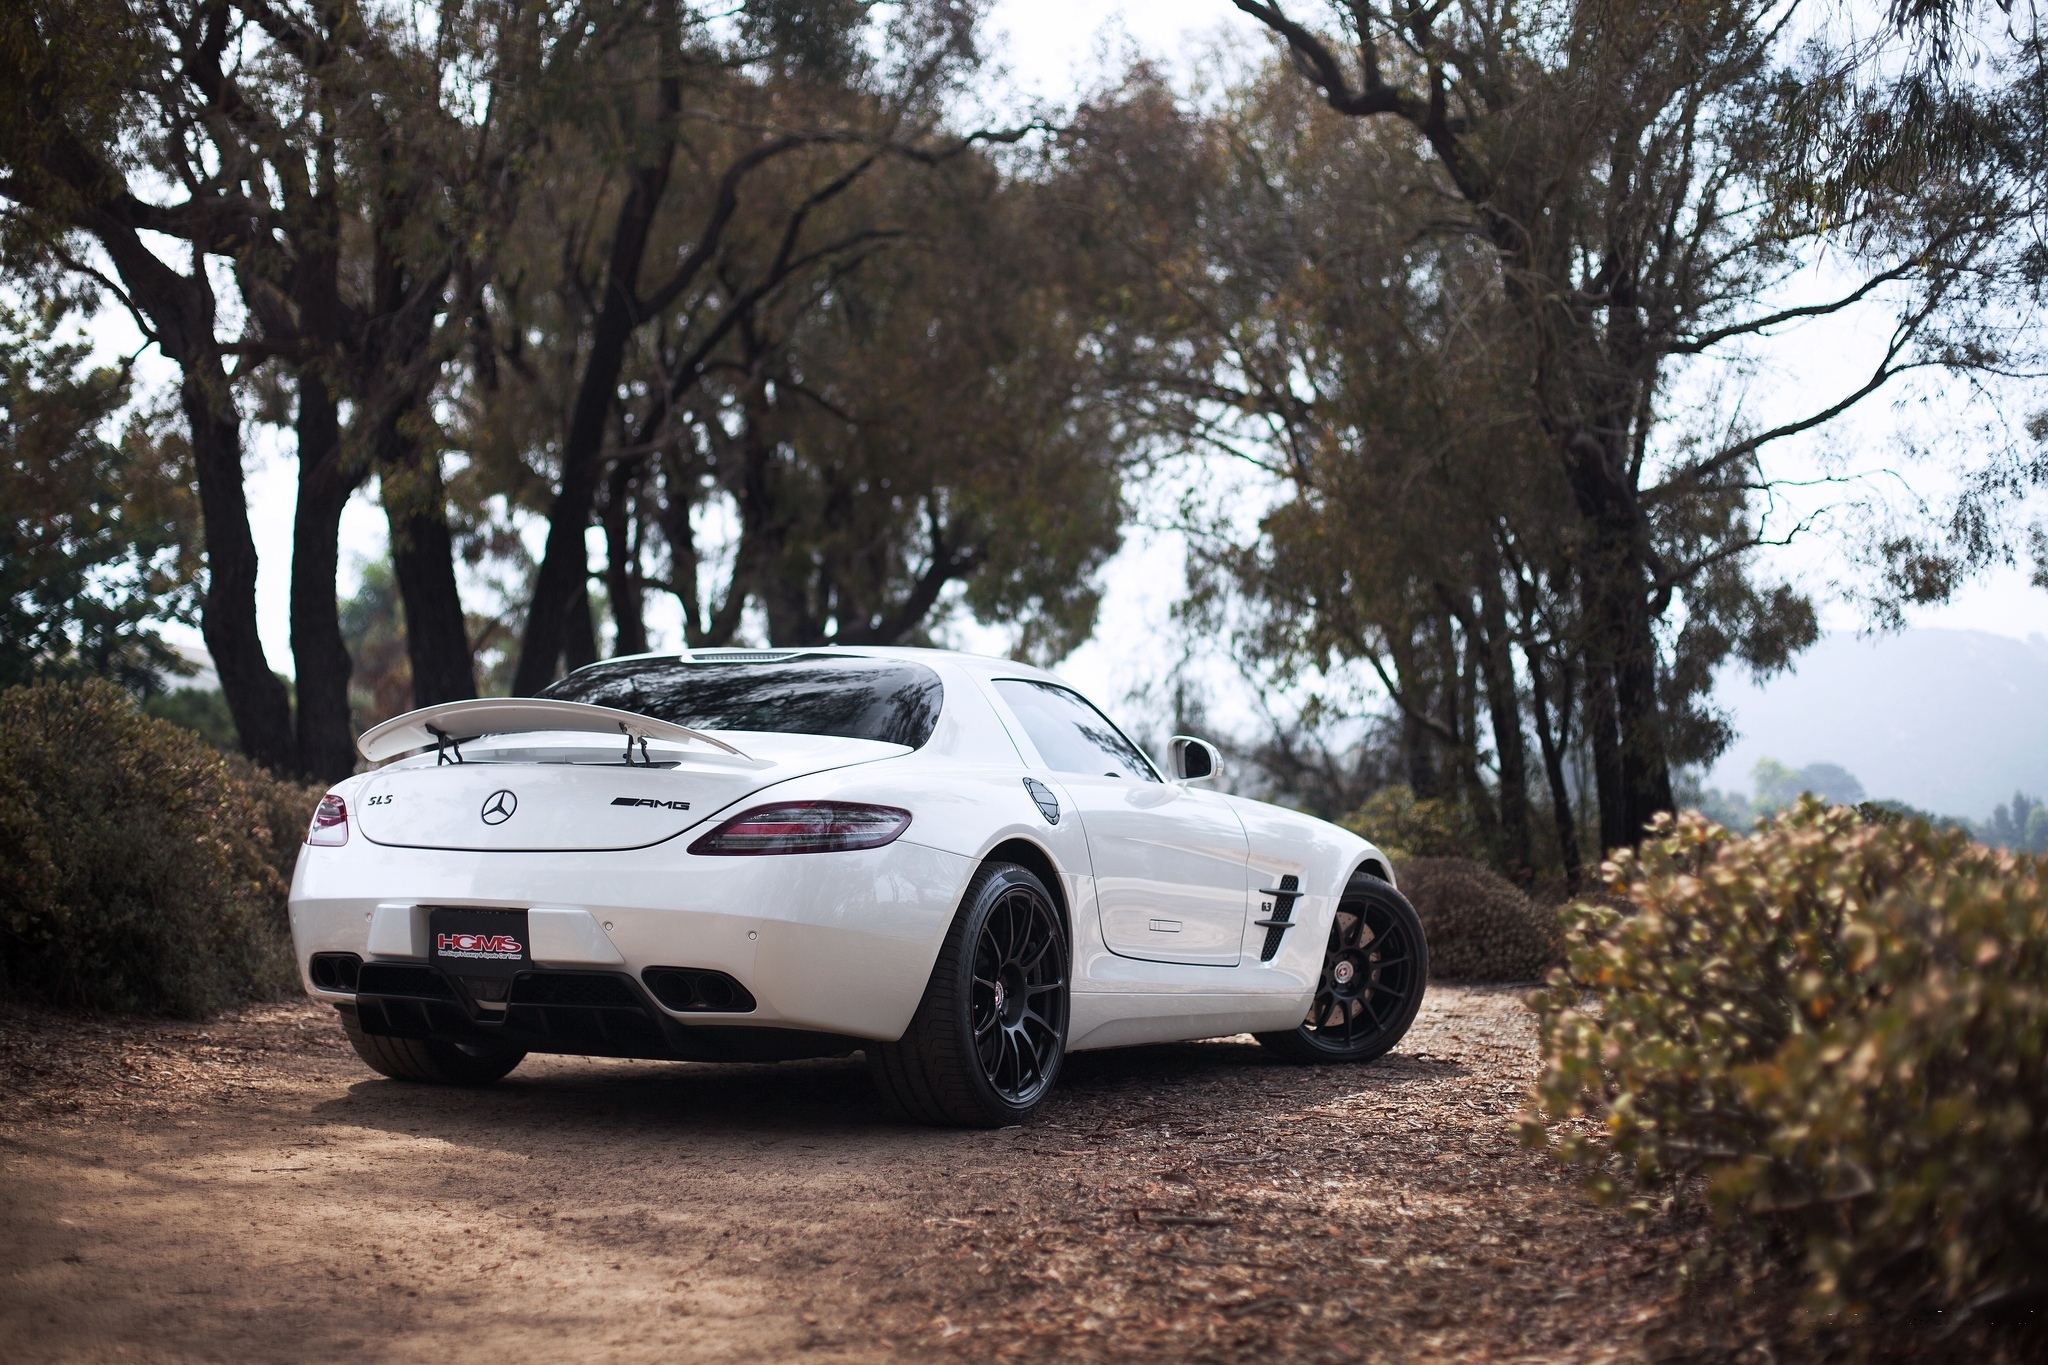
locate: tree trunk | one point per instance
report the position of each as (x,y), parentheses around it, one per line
(1639,714)
(326,747)
(1603,735)
(1466,673)
(701,629)
(777,582)
(423,563)
(579,641)
(1504,714)
(622,554)
(563,580)
(1554,743)
(257,698)
(1418,745)
(181,311)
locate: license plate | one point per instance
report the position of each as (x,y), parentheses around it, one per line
(478,942)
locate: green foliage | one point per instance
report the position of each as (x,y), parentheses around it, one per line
(1405,825)
(203,710)
(1778,786)
(373,626)
(2021,826)
(285,809)
(140,868)
(1840,1028)
(94,538)
(817,38)
(1478,924)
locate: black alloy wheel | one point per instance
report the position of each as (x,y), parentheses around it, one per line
(1375,969)
(987,1042)
(1018,1003)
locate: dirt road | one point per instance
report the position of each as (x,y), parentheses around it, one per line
(246,1190)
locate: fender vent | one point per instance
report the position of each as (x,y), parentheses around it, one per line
(1041,795)
(1281,919)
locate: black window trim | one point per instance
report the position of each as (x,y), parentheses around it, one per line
(1014,720)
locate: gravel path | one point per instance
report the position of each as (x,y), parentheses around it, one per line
(246,1190)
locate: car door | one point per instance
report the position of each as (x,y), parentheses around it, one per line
(1170,861)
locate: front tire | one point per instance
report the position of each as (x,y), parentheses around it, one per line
(433,1062)
(986,1044)
(1375,968)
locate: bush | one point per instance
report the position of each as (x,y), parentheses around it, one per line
(139,868)
(203,710)
(1841,1027)
(1405,825)
(285,809)
(1479,925)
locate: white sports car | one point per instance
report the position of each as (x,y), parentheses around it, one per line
(956,865)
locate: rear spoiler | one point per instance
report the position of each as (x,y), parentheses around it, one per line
(447,727)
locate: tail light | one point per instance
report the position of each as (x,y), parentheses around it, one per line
(330,823)
(805,827)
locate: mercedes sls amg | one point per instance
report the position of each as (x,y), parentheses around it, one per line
(957,866)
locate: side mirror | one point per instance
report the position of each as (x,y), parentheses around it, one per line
(1193,760)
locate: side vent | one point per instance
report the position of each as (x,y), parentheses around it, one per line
(1281,918)
(1041,795)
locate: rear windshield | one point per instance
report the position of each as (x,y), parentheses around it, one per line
(884,699)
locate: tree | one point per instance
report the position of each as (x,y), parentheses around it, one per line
(1315,305)
(364,184)
(2019,826)
(424,217)
(827,327)
(323,156)
(1779,786)
(1634,174)
(87,97)
(93,545)
(672,85)
(923,416)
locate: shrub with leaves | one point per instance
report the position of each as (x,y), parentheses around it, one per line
(1405,825)
(1839,1028)
(139,867)
(1479,925)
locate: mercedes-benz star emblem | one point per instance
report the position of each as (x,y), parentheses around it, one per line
(498,807)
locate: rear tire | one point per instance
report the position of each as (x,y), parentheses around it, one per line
(1375,968)
(433,1062)
(986,1044)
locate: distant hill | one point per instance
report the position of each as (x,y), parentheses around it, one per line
(1951,721)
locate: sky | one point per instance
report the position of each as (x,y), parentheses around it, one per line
(1048,50)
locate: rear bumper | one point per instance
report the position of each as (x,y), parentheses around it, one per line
(840,944)
(588,1014)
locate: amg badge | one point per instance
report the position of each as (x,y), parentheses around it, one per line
(649,801)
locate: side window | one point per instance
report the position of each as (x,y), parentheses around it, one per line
(1073,736)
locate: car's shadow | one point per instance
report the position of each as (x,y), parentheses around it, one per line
(567,1097)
